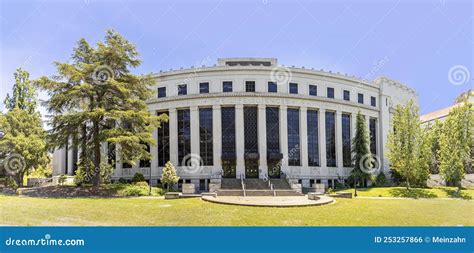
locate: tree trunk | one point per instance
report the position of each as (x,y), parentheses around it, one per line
(95,134)
(408,184)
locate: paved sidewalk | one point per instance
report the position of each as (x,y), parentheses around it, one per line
(265,201)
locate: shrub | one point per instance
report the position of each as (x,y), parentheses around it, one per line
(61,179)
(138,177)
(122,181)
(142,183)
(380,180)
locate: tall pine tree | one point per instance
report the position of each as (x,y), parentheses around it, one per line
(360,150)
(98,99)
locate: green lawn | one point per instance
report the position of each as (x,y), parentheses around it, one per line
(435,192)
(195,212)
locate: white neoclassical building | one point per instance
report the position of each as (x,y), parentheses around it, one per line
(251,118)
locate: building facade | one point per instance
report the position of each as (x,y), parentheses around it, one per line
(251,118)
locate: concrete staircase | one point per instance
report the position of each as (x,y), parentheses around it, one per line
(256,187)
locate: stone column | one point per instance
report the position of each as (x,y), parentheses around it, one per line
(154,151)
(194,113)
(304,137)
(339,139)
(262,141)
(239,139)
(284,137)
(173,126)
(322,137)
(70,165)
(217,136)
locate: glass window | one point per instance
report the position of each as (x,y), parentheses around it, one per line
(313,90)
(346,140)
(330,92)
(313,145)
(251,129)
(373,101)
(205,136)
(162,92)
(273,129)
(163,142)
(360,98)
(227,86)
(184,135)
(330,139)
(272,87)
(250,86)
(293,123)
(228,131)
(347,95)
(373,135)
(293,88)
(182,89)
(203,88)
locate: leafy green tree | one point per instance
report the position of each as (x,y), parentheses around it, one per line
(456,141)
(408,146)
(433,137)
(360,151)
(169,176)
(23,145)
(24,93)
(98,99)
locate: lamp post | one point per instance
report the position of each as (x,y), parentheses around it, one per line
(355,184)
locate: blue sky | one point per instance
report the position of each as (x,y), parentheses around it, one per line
(418,43)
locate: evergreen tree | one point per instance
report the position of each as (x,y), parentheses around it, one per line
(24,93)
(456,142)
(23,146)
(97,98)
(169,176)
(360,150)
(408,147)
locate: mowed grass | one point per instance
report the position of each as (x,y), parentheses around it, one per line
(435,192)
(195,212)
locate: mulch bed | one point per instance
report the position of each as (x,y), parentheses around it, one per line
(67,192)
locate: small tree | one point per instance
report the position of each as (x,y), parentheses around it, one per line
(360,150)
(408,147)
(456,143)
(169,176)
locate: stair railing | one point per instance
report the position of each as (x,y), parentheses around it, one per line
(243,184)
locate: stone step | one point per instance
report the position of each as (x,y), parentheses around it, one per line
(280,184)
(224,192)
(256,184)
(259,192)
(288,193)
(231,184)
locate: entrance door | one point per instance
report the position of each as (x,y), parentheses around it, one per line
(228,169)
(274,168)
(251,168)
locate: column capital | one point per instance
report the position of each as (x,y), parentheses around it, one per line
(262,107)
(303,109)
(172,110)
(194,108)
(338,113)
(216,107)
(283,107)
(239,106)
